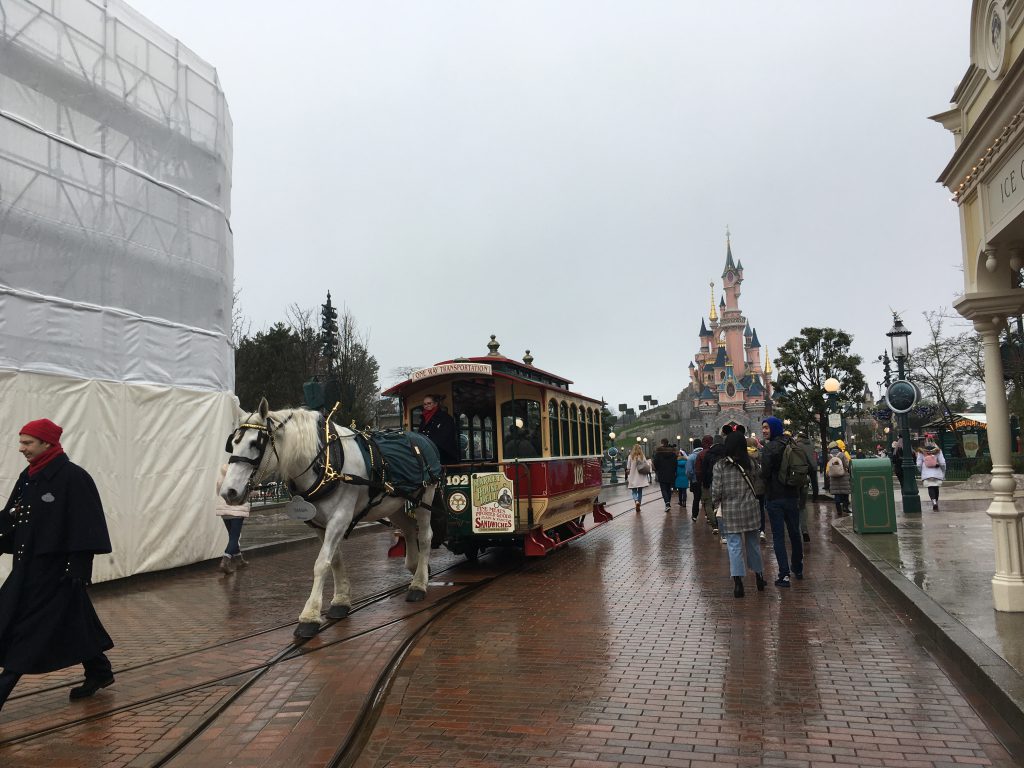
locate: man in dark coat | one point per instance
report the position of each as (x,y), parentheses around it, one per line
(440,428)
(53,524)
(665,466)
(782,502)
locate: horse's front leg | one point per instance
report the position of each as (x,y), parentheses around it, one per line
(309,619)
(418,587)
(341,603)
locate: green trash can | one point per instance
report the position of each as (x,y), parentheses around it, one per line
(871,496)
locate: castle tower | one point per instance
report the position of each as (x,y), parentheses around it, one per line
(727,381)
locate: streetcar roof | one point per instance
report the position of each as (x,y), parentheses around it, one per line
(497,366)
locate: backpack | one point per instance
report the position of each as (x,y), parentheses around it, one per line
(708,466)
(836,467)
(931,460)
(794,470)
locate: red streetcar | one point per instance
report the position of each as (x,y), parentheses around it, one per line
(530,450)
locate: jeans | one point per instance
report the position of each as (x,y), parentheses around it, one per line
(234,526)
(682,497)
(666,493)
(785,513)
(638,494)
(736,543)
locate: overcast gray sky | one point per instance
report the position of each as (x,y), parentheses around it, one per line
(561,172)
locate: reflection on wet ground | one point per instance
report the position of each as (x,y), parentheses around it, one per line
(950,555)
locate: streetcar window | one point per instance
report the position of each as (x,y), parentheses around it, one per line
(415,417)
(556,443)
(489,451)
(563,422)
(477,438)
(574,430)
(474,407)
(588,430)
(464,435)
(520,429)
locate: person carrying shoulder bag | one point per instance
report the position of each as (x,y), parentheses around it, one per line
(733,490)
(638,474)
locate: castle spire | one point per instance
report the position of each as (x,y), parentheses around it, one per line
(729,263)
(714,314)
(767,365)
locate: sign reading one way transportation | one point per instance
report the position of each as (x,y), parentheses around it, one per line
(481,369)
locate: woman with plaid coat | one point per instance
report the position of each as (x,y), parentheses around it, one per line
(732,491)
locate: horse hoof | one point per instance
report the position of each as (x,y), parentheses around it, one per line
(306,629)
(414,595)
(338,611)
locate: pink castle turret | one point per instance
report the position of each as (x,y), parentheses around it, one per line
(726,376)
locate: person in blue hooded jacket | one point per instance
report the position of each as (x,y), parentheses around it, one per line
(682,481)
(782,502)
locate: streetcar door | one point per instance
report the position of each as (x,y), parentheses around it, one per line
(473,403)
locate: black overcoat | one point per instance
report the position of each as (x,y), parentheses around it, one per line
(441,430)
(53,524)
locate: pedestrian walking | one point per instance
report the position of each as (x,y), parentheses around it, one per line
(234,517)
(931,463)
(53,524)
(664,461)
(804,442)
(784,469)
(733,491)
(638,474)
(707,470)
(682,481)
(693,474)
(754,454)
(837,468)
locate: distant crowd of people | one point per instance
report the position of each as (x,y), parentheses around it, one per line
(739,481)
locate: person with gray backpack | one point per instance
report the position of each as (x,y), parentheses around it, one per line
(785,470)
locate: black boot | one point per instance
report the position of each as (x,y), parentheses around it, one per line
(737,590)
(760,581)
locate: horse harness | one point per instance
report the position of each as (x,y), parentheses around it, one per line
(327,464)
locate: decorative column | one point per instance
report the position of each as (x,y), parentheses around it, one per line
(1007,529)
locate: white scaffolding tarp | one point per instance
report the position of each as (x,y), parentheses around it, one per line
(116,266)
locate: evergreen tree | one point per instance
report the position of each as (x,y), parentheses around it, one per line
(803,365)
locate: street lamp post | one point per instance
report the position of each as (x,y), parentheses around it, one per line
(835,419)
(899,338)
(613,453)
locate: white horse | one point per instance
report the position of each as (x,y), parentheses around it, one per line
(286,444)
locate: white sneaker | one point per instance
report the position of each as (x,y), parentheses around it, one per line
(762,536)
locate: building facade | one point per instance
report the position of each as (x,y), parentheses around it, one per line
(986,179)
(729,383)
(117,269)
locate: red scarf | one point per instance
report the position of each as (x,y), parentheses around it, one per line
(35,466)
(428,415)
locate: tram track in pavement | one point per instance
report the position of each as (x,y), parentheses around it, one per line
(293,649)
(288,651)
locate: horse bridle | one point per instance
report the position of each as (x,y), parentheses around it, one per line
(264,438)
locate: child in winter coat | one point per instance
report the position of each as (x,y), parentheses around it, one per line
(682,481)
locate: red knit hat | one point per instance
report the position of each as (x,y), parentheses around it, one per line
(44,429)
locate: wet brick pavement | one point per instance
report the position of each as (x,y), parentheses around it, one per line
(630,649)
(626,648)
